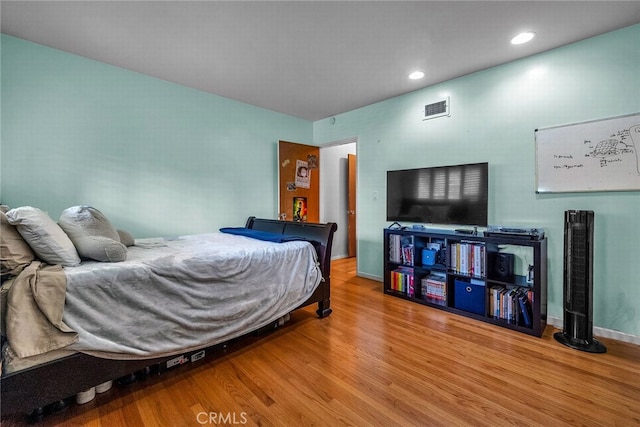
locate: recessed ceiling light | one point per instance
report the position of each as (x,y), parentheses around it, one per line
(416,75)
(523,37)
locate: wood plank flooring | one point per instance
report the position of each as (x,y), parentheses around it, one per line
(379,360)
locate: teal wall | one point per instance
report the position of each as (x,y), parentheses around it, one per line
(155,157)
(493,117)
(159,158)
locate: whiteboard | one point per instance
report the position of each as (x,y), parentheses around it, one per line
(600,155)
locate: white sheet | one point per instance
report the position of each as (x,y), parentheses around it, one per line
(173,295)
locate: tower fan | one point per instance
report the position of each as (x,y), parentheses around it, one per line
(578,283)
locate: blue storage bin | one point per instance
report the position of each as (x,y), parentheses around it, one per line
(470,296)
(428,257)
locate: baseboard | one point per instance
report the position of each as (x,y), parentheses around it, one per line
(600,332)
(369,276)
(557,322)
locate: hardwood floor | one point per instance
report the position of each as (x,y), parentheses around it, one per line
(379,360)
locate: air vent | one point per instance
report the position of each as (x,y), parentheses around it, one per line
(436,109)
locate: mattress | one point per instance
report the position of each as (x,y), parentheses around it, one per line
(176,294)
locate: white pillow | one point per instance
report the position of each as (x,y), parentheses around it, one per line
(44,236)
(92,234)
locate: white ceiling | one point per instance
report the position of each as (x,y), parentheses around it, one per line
(310,59)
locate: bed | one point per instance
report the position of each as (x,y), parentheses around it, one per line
(98,354)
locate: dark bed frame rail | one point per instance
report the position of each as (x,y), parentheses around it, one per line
(33,388)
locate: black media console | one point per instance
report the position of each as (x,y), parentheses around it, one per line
(498,279)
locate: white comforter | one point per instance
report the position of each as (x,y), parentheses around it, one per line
(173,295)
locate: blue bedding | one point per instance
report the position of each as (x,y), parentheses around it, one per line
(260,235)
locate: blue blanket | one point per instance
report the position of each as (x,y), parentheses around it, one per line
(260,235)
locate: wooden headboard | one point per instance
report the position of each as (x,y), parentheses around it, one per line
(319,234)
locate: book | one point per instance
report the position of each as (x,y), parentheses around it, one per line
(495,301)
(525,309)
(402,280)
(434,287)
(467,258)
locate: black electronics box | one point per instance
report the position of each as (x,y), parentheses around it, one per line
(501,265)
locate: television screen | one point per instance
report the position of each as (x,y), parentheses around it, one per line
(451,195)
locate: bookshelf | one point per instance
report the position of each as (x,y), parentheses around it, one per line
(496,279)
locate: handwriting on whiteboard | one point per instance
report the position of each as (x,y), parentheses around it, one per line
(598,155)
(620,147)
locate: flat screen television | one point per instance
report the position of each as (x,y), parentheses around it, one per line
(449,195)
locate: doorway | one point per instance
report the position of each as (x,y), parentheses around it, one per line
(332,195)
(335,194)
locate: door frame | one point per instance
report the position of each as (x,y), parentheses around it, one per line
(352,204)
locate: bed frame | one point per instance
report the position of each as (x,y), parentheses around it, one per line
(29,390)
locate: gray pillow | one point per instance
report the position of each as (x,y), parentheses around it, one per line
(126,238)
(44,236)
(92,234)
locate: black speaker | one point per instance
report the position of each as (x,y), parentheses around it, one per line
(578,283)
(502,264)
